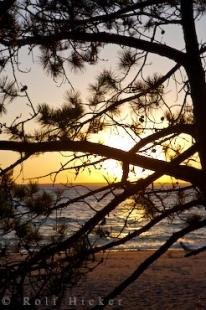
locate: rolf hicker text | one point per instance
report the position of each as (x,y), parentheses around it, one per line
(69,301)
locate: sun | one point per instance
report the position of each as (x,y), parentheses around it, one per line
(119,141)
(112,167)
(111,170)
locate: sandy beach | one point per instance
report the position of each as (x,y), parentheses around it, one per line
(172,282)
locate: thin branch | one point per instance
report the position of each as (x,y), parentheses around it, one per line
(117,103)
(15,164)
(149,225)
(196,251)
(150,260)
(176,129)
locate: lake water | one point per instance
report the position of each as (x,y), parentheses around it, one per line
(75,215)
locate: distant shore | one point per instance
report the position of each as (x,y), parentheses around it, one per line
(100,184)
(173,281)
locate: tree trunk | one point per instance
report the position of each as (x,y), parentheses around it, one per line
(196,77)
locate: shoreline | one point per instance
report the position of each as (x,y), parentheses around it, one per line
(172,281)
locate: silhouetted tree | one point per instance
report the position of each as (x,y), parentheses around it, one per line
(74,33)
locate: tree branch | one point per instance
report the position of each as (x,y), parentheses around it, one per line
(149,225)
(15,164)
(176,129)
(150,260)
(104,37)
(140,5)
(188,174)
(91,223)
(117,103)
(196,251)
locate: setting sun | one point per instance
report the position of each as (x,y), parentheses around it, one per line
(119,141)
(112,167)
